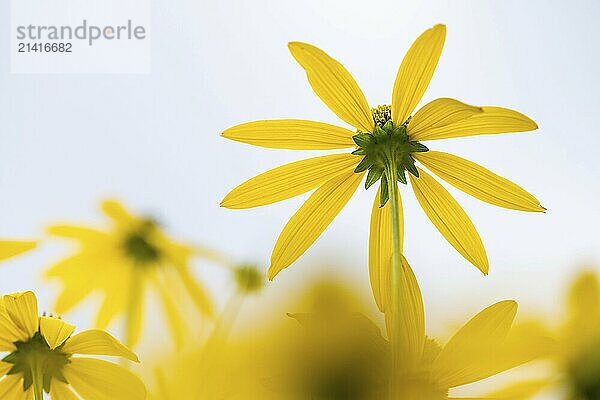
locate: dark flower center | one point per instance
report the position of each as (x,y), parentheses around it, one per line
(138,244)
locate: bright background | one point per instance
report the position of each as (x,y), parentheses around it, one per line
(153,140)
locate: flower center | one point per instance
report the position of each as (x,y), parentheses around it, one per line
(248,279)
(35,360)
(388,149)
(138,244)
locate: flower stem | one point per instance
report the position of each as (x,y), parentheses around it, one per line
(396,271)
(38,379)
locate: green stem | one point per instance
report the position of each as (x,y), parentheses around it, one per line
(396,310)
(38,379)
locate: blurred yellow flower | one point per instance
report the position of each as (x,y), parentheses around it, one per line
(11,248)
(42,358)
(340,354)
(387,143)
(123,262)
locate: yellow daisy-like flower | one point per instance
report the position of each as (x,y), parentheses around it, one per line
(123,262)
(387,143)
(43,357)
(12,248)
(483,347)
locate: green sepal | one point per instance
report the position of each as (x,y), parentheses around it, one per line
(364,165)
(359,152)
(409,164)
(400,131)
(373,176)
(378,132)
(12,358)
(388,126)
(401,174)
(385,194)
(362,139)
(418,147)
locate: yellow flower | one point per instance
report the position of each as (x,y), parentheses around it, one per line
(11,248)
(387,143)
(123,262)
(483,347)
(43,358)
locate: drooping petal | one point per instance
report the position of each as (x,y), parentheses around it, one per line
(9,331)
(288,181)
(101,380)
(380,250)
(292,134)
(198,293)
(55,331)
(334,85)
(5,367)
(584,296)
(307,224)
(135,310)
(450,219)
(11,248)
(492,120)
(479,182)
(416,71)
(412,317)
(173,316)
(438,113)
(98,342)
(61,391)
(465,358)
(22,308)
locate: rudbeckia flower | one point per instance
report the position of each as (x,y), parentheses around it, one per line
(125,261)
(387,142)
(44,357)
(11,248)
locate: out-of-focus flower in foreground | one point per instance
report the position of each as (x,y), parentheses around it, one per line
(43,357)
(387,143)
(122,262)
(11,248)
(577,353)
(340,354)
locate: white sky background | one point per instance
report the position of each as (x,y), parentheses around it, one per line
(153,140)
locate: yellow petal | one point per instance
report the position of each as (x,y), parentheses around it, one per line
(134,314)
(334,85)
(5,367)
(117,212)
(520,391)
(292,134)
(11,248)
(87,235)
(289,180)
(61,391)
(479,182)
(9,331)
(22,308)
(55,331)
(584,295)
(98,342)
(438,113)
(307,224)
(465,358)
(100,380)
(11,388)
(195,290)
(412,317)
(380,250)
(416,71)
(491,121)
(172,314)
(450,219)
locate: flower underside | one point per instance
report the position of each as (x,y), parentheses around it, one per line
(35,360)
(386,150)
(138,246)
